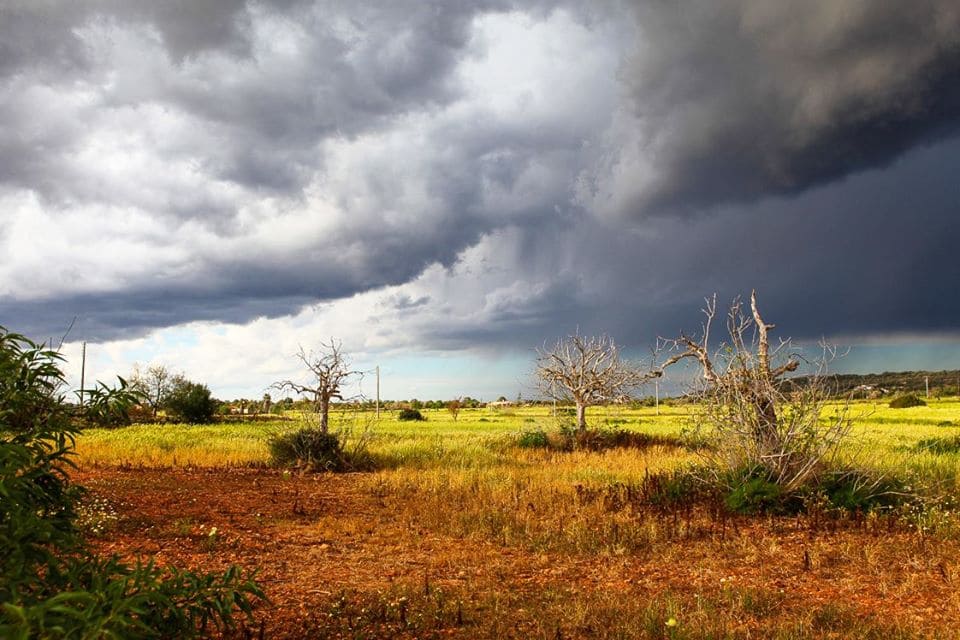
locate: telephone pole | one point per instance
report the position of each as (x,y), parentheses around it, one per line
(378,392)
(83,370)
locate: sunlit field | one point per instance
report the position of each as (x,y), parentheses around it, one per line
(478,438)
(461,531)
(481,438)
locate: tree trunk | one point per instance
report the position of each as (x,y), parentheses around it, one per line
(581,417)
(766,434)
(324,414)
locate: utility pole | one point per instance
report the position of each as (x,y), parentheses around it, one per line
(83,370)
(926,383)
(378,392)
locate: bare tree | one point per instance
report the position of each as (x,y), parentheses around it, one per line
(453,407)
(589,371)
(154,384)
(759,416)
(330,370)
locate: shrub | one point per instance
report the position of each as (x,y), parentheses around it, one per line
(757,494)
(533,440)
(314,449)
(410,415)
(51,584)
(310,447)
(753,414)
(191,402)
(856,490)
(753,491)
(599,439)
(906,401)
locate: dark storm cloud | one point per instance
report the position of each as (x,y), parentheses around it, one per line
(872,256)
(733,100)
(263,156)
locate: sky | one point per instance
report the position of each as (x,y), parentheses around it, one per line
(446,186)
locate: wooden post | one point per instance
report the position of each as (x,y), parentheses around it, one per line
(83,370)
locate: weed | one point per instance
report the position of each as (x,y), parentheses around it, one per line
(941,445)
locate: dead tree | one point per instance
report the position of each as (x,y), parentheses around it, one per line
(761,418)
(589,371)
(453,406)
(330,370)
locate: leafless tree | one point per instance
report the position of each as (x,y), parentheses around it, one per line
(154,384)
(589,371)
(329,370)
(453,407)
(758,415)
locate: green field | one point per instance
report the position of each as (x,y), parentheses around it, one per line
(483,538)
(882,438)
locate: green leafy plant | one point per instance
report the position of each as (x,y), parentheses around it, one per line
(105,406)
(51,585)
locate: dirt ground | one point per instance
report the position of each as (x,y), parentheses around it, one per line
(313,538)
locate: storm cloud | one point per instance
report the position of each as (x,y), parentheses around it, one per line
(491,173)
(735,100)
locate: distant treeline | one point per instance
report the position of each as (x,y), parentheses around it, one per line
(941,383)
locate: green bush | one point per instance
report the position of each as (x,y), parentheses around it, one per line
(309,447)
(906,401)
(407,415)
(313,449)
(191,402)
(757,494)
(753,491)
(855,490)
(536,439)
(51,584)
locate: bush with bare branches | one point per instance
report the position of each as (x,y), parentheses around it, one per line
(759,422)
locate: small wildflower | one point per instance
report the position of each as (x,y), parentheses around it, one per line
(671,622)
(213,532)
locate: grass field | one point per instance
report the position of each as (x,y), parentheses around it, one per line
(882,437)
(463,533)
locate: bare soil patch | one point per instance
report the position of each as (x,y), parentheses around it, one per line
(320,541)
